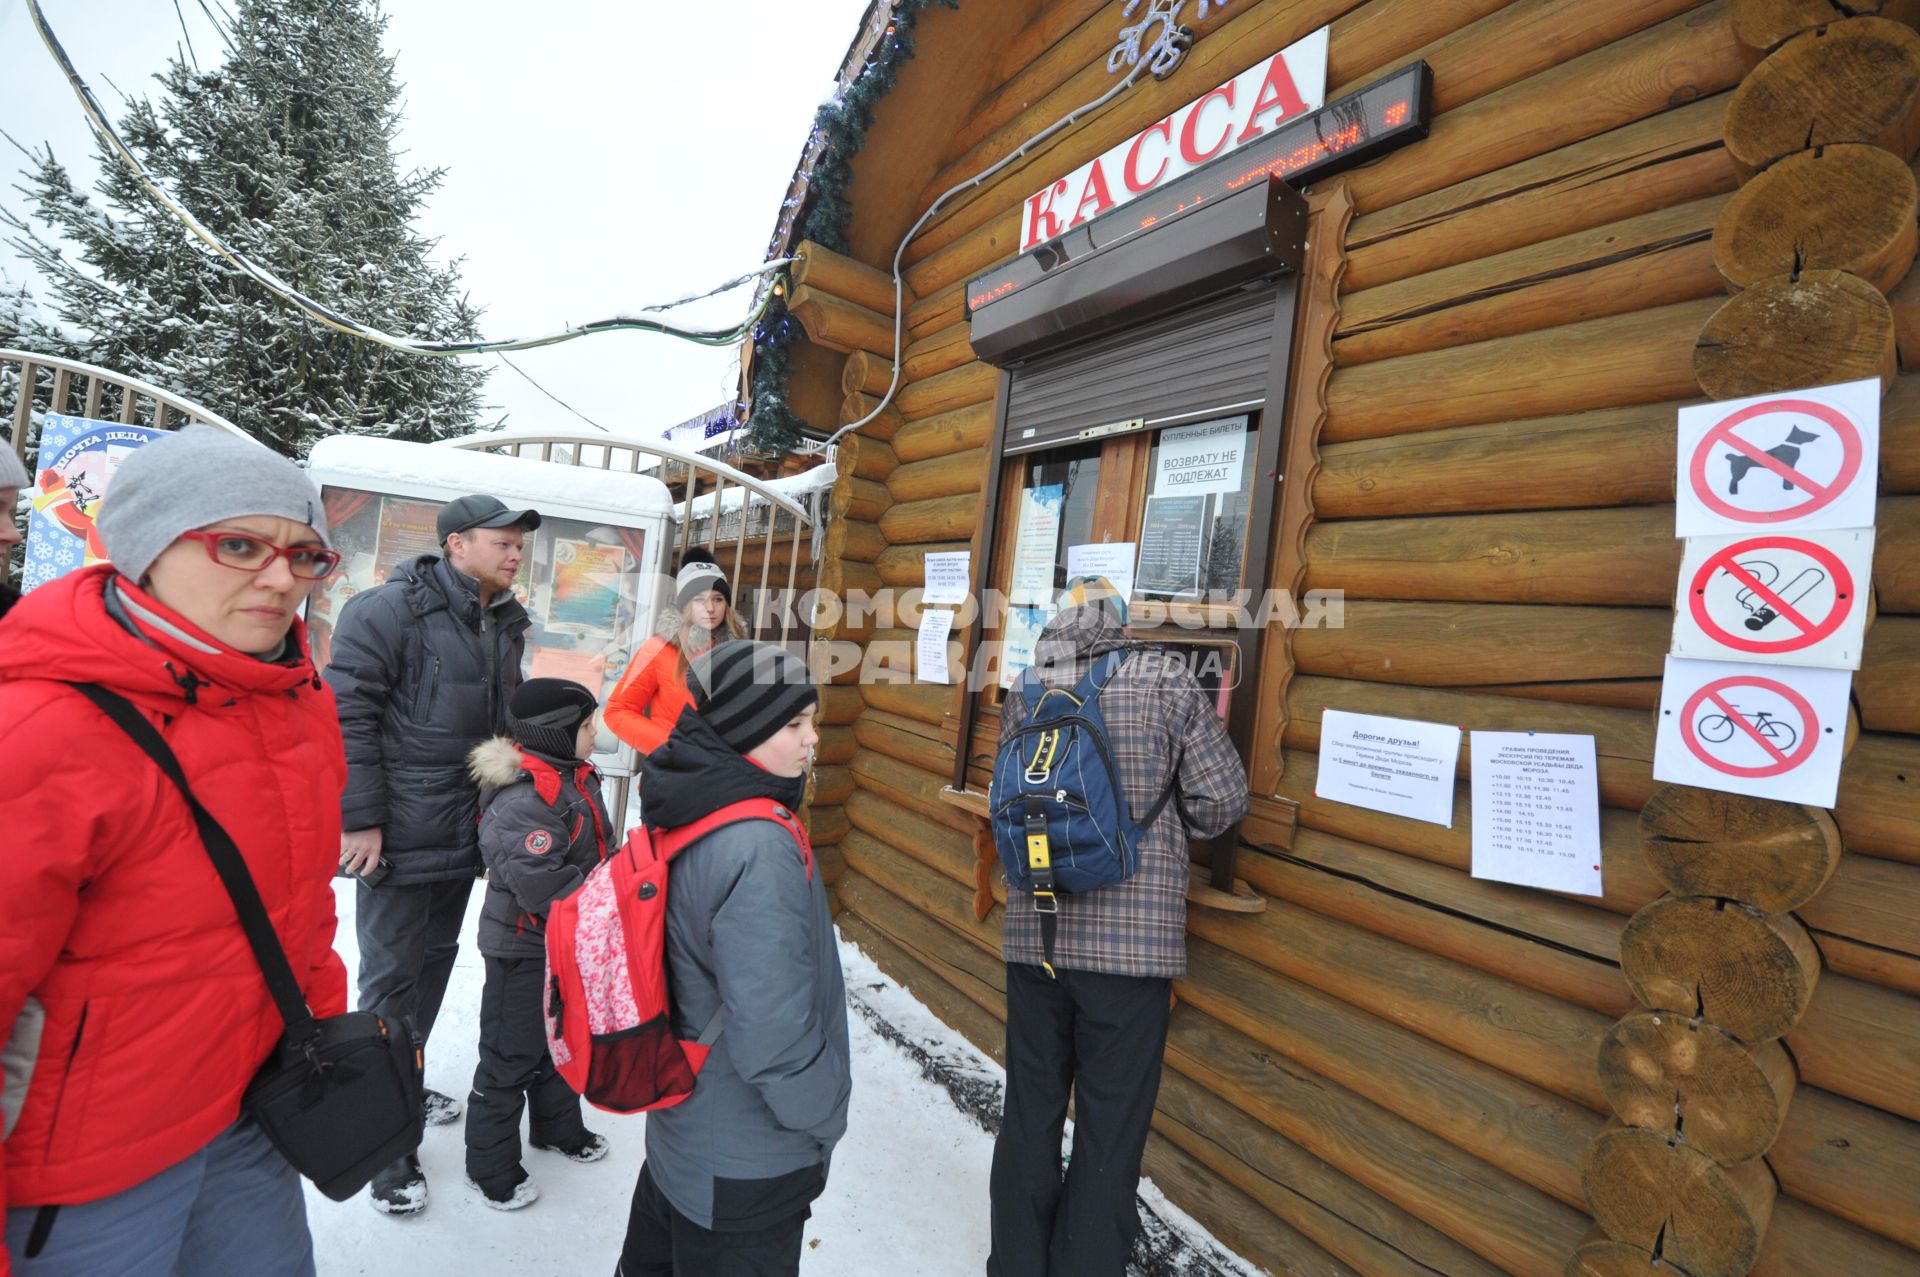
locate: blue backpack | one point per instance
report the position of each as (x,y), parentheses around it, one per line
(1060,816)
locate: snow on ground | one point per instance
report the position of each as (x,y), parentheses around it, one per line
(907,1196)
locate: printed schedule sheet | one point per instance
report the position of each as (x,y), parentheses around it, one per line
(1536,811)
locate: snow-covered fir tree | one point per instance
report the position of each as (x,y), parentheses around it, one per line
(286,151)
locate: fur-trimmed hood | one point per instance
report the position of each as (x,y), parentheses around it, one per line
(495,764)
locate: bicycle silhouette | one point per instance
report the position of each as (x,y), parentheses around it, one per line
(1718,728)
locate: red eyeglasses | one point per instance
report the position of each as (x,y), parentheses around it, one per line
(251,554)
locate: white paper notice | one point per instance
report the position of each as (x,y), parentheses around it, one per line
(1536,811)
(1034,545)
(947,577)
(1018,640)
(930,650)
(1196,460)
(1113,561)
(1393,765)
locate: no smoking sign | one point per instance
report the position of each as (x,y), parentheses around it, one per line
(1777,733)
(1780,599)
(1800,461)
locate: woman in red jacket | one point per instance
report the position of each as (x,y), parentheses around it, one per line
(647,702)
(135,1013)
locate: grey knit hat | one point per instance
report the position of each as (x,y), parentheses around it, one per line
(13,471)
(192,478)
(699,572)
(747,691)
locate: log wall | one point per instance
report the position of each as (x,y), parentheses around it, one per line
(1397,1068)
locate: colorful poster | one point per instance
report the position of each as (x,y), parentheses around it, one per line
(584,598)
(407,530)
(1536,811)
(1035,545)
(1171,539)
(76,463)
(1019,640)
(589,669)
(1200,460)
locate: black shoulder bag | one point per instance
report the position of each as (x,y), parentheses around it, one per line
(340,1097)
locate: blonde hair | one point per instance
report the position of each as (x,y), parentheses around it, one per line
(683,640)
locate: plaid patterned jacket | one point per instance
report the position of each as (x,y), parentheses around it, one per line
(1153,709)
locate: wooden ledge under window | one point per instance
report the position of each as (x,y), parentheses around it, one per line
(1241,899)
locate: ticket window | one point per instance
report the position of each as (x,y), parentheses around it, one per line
(1190,538)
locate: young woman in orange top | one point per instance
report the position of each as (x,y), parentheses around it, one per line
(647,702)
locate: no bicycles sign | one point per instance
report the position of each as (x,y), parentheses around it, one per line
(1777,733)
(1799,461)
(1777,599)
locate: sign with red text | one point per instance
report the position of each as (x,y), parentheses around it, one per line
(1796,461)
(1777,732)
(1777,598)
(1290,83)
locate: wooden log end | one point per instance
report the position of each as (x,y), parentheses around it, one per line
(1752,973)
(1788,332)
(1691,1082)
(1856,80)
(1673,1201)
(1848,208)
(1774,856)
(1599,1255)
(1763,25)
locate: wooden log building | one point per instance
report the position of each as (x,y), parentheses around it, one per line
(1460,393)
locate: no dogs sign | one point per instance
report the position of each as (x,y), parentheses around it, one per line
(1783,599)
(1767,733)
(1803,460)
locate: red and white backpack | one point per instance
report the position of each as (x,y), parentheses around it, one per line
(609,1011)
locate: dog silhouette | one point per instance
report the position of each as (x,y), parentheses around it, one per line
(1787,454)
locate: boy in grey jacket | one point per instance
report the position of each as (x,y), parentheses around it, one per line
(731,1169)
(543,828)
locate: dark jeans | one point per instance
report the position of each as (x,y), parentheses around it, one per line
(515,1072)
(1099,1038)
(408,937)
(661,1242)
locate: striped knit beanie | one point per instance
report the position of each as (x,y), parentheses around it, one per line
(748,691)
(1094,589)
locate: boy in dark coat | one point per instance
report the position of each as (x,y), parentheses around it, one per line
(543,828)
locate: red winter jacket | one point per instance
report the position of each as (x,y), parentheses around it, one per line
(135,1011)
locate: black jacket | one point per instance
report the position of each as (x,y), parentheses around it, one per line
(421,681)
(748,936)
(543,828)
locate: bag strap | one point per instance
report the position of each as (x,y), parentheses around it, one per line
(671,842)
(226,857)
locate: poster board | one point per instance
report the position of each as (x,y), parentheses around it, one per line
(75,467)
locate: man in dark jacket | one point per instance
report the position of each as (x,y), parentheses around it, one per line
(1097,1028)
(731,1169)
(423,667)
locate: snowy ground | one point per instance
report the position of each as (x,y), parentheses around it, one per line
(907,1196)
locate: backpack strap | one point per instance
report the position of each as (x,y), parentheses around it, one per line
(671,842)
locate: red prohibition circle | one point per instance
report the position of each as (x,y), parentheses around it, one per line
(1850,455)
(1809,736)
(1809,634)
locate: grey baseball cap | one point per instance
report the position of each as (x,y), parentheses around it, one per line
(464,514)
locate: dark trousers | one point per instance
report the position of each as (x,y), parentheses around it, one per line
(408,937)
(515,1072)
(661,1242)
(1099,1038)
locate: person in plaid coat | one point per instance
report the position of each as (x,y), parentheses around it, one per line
(1096,1030)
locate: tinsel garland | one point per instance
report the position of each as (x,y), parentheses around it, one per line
(842,123)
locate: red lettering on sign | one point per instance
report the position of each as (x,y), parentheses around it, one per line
(1277,90)
(1128,173)
(1189,147)
(1095,194)
(1042,221)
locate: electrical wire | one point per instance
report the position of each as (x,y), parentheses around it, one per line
(899,311)
(501,356)
(341,323)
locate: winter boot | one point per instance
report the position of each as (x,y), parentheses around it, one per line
(442,1109)
(584,1147)
(400,1189)
(509,1190)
